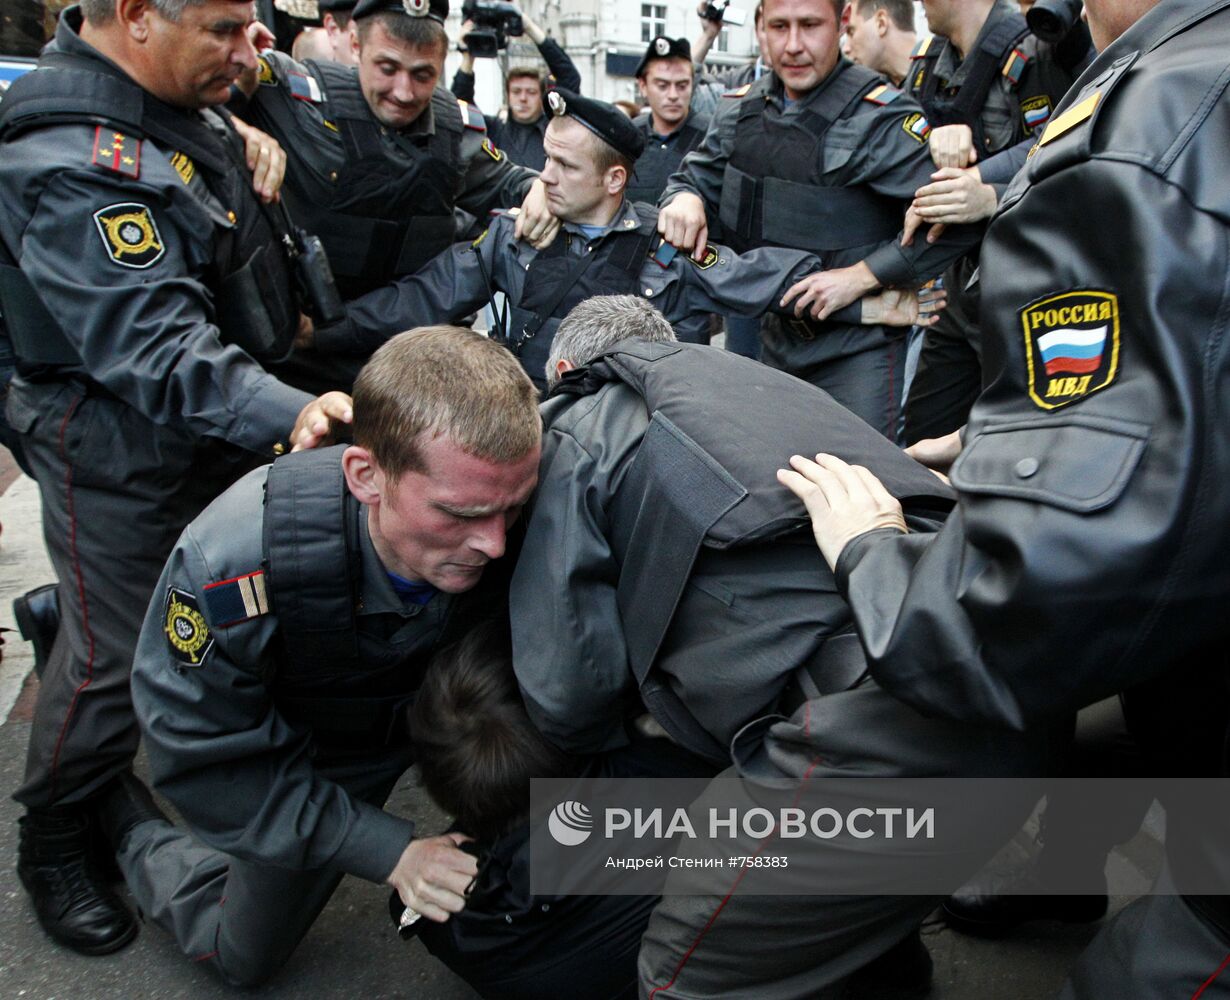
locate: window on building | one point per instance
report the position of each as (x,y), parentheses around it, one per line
(653,21)
(723,40)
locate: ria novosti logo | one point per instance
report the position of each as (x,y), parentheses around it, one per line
(570,823)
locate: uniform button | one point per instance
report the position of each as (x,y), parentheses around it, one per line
(232,217)
(1026,467)
(279,448)
(546,907)
(649,291)
(508,918)
(333,176)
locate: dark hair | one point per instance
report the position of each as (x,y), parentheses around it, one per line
(421,32)
(477,748)
(525,73)
(900,12)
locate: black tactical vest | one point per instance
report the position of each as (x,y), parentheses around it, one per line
(559,279)
(389,209)
(660,159)
(964,107)
(350,686)
(700,479)
(250,277)
(771,191)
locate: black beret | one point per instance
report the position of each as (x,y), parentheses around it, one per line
(606,121)
(329,6)
(664,48)
(437,10)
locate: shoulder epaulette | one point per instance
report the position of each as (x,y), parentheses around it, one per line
(740,92)
(920,50)
(304,87)
(471,117)
(663,254)
(883,94)
(237,600)
(1015,65)
(117,151)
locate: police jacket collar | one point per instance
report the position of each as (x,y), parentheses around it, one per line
(617,223)
(376,593)
(775,92)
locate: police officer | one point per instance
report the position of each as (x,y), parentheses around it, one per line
(994,85)
(881,36)
(670,126)
(610,245)
(149,282)
(287,635)
(518,129)
(1087,521)
(380,154)
(712,614)
(337,22)
(819,155)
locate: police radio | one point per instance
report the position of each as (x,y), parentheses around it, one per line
(313,275)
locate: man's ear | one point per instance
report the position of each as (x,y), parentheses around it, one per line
(354,40)
(563,365)
(616,179)
(881,17)
(364,478)
(134,15)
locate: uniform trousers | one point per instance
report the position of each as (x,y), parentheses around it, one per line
(116,491)
(742,946)
(242,918)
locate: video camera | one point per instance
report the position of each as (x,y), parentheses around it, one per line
(1051,20)
(720,11)
(495,21)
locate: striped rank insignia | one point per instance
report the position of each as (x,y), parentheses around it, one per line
(237,600)
(1015,66)
(184,167)
(118,152)
(883,94)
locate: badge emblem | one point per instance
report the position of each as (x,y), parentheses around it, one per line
(415,8)
(187,634)
(490,149)
(708,260)
(916,127)
(1036,112)
(662,46)
(264,75)
(130,235)
(1071,346)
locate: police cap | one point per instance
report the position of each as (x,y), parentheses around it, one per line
(606,121)
(331,6)
(437,10)
(663,48)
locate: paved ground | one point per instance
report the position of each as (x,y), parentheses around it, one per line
(352,951)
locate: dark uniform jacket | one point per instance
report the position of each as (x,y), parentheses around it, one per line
(242,707)
(616,595)
(1091,531)
(381,200)
(118,235)
(456,283)
(662,155)
(842,195)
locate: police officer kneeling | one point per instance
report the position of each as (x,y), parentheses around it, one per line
(289,631)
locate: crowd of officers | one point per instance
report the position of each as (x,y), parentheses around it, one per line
(212,237)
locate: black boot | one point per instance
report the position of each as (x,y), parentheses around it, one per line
(71,899)
(38,619)
(991,905)
(126,803)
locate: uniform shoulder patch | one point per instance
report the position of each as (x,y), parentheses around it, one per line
(921,48)
(129,234)
(916,126)
(183,166)
(1071,345)
(117,151)
(304,87)
(883,94)
(188,636)
(738,91)
(1078,114)
(1015,65)
(471,117)
(1036,112)
(237,600)
(709,258)
(264,73)
(490,149)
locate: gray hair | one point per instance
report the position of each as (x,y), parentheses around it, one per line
(103,11)
(598,323)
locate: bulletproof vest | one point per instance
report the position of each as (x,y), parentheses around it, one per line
(660,160)
(983,65)
(702,478)
(771,191)
(558,279)
(389,210)
(350,686)
(250,275)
